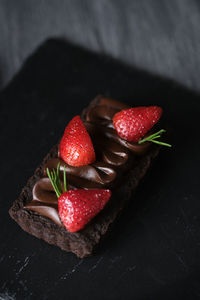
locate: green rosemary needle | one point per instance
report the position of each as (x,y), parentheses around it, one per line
(153,138)
(54,177)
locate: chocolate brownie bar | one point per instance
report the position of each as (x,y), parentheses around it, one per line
(120,166)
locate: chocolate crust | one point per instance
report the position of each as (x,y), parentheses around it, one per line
(81,243)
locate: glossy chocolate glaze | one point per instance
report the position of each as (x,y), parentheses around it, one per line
(115,157)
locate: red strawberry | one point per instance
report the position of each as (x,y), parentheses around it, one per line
(76,147)
(78,207)
(133,123)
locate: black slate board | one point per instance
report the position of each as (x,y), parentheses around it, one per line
(153,251)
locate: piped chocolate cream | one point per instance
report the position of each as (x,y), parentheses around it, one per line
(114,157)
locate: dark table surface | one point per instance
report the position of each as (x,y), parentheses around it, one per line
(153,250)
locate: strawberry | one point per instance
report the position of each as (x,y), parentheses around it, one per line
(133,123)
(76,147)
(77,207)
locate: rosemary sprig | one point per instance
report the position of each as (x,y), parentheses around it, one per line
(54,177)
(153,138)
(64,178)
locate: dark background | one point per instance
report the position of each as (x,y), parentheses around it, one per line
(161,36)
(153,251)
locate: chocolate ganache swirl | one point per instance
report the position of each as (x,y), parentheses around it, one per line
(114,157)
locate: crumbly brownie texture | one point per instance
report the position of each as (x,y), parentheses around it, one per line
(81,243)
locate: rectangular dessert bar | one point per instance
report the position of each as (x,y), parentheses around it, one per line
(82,243)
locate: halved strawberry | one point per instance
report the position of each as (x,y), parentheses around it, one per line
(78,207)
(76,147)
(133,123)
